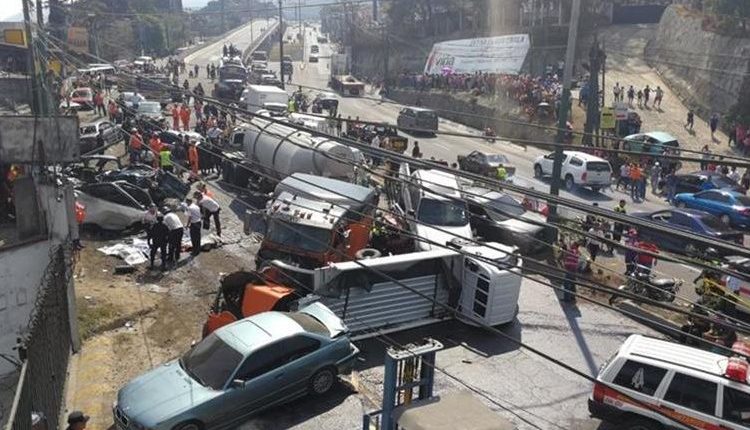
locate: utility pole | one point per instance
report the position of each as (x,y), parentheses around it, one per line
(565,103)
(375,10)
(30,60)
(44,100)
(592,104)
(386,53)
(223,17)
(281,44)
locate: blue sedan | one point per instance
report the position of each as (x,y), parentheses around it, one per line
(731,207)
(238,370)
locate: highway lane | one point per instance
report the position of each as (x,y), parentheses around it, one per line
(240,38)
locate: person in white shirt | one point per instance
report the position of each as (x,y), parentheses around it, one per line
(210,208)
(734,174)
(174,241)
(149,217)
(194,222)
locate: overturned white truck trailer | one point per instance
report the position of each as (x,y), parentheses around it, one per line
(276,151)
(482,282)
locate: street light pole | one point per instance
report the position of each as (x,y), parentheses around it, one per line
(281,44)
(565,103)
(30,61)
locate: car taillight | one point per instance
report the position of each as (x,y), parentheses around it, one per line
(599,392)
(583,176)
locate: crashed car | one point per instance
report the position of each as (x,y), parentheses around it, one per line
(149,116)
(242,368)
(111,134)
(113,205)
(485,163)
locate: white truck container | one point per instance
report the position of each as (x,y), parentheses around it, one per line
(339,64)
(264,97)
(279,151)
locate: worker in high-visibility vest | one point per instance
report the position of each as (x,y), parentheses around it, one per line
(501,173)
(291,107)
(165,158)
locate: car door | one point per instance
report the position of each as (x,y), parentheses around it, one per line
(655,234)
(712,202)
(109,207)
(547,162)
(474,162)
(479,220)
(694,400)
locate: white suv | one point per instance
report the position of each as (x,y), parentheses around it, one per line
(578,168)
(691,386)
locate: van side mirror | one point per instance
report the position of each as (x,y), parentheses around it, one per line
(410,212)
(237,384)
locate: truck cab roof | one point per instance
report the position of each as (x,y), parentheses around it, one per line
(297,209)
(326,189)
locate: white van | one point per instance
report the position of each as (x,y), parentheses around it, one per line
(578,169)
(433,204)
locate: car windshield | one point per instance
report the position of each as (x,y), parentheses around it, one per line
(81,93)
(496,158)
(150,107)
(723,182)
(505,206)
(597,166)
(713,223)
(211,362)
(442,212)
(300,236)
(428,114)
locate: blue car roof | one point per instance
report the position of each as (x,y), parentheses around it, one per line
(661,136)
(251,333)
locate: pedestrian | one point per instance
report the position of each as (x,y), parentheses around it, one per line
(77,420)
(155,145)
(594,244)
(624,178)
(174,238)
(705,157)
(176,117)
(690,120)
(640,98)
(415,152)
(149,217)
(99,103)
(112,111)
(631,240)
(645,260)
(185,116)
(157,239)
(570,262)
(671,181)
(635,179)
(195,220)
(210,209)
(196,68)
(501,173)
(135,146)
(713,122)
(646,95)
(617,91)
(198,107)
(655,173)
(204,189)
(734,175)
(165,159)
(658,97)
(631,95)
(339,125)
(193,160)
(618,226)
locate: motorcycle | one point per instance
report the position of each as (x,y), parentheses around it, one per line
(489,134)
(642,283)
(712,333)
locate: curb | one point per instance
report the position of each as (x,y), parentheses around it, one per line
(648,318)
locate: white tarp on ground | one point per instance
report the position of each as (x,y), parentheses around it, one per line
(499,54)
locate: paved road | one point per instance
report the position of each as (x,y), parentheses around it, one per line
(240,38)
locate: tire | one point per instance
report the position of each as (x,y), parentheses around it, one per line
(322,381)
(190,425)
(569,183)
(538,172)
(726,219)
(367,253)
(640,424)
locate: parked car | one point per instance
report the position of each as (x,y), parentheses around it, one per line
(84,97)
(694,182)
(314,49)
(578,169)
(731,207)
(671,383)
(655,143)
(313,58)
(238,370)
(485,163)
(495,217)
(150,117)
(90,167)
(690,220)
(89,132)
(131,100)
(113,205)
(417,119)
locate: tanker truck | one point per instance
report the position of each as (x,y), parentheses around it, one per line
(263,153)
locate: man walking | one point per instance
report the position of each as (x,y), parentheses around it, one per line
(646,95)
(617,91)
(655,173)
(136,145)
(690,120)
(175,117)
(158,236)
(210,209)
(174,237)
(185,116)
(714,124)
(194,221)
(619,227)
(631,95)
(658,97)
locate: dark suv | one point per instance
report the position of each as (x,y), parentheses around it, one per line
(418,119)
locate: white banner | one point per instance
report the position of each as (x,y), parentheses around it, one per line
(499,54)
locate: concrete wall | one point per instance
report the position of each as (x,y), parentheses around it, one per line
(14,90)
(22,269)
(705,69)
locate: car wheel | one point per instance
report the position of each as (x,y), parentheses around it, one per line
(641,424)
(538,173)
(322,381)
(691,250)
(190,425)
(681,205)
(569,183)
(725,219)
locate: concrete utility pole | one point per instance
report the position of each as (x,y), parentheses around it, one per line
(281,45)
(36,89)
(565,103)
(592,104)
(44,84)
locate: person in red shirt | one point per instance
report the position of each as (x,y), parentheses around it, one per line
(185,116)
(136,145)
(193,159)
(155,146)
(175,117)
(646,261)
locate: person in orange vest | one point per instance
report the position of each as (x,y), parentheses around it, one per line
(635,178)
(193,159)
(112,110)
(175,117)
(155,145)
(646,262)
(185,115)
(136,146)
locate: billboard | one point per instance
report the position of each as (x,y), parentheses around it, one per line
(499,54)
(78,39)
(14,36)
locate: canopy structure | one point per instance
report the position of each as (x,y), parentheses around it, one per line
(453,411)
(499,54)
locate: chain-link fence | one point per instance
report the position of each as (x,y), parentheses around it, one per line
(45,351)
